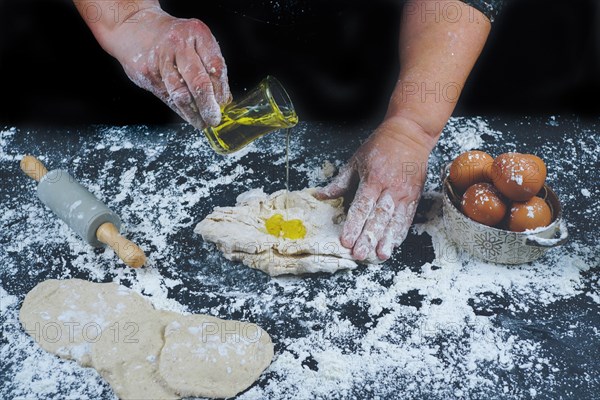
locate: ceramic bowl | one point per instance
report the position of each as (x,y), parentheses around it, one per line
(499,245)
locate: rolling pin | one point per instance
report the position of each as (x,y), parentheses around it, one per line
(82,212)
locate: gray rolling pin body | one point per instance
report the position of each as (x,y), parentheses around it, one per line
(75,205)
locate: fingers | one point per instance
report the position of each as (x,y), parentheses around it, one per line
(194,74)
(374,222)
(210,53)
(363,204)
(199,85)
(397,229)
(339,186)
(374,227)
(180,99)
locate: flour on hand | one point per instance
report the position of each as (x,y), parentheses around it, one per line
(240,234)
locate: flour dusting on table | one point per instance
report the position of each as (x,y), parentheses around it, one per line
(443,326)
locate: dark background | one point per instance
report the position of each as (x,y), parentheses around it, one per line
(338,59)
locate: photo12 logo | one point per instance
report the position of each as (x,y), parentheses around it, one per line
(423,91)
(440,11)
(72,332)
(116,11)
(226,332)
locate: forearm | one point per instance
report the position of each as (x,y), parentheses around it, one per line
(439,44)
(104,17)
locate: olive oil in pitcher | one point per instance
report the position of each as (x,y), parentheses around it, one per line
(265,109)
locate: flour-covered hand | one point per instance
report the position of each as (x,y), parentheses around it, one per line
(178,60)
(390,170)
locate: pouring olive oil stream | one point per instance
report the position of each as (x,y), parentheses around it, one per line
(264,109)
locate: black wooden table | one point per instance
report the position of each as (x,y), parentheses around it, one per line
(429,323)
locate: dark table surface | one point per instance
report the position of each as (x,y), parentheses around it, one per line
(429,323)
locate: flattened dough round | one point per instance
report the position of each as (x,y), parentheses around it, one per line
(142,352)
(239,233)
(211,357)
(128,357)
(66,317)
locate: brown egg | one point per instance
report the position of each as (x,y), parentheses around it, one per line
(531,214)
(541,167)
(470,167)
(482,203)
(518,176)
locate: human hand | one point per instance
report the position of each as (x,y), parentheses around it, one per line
(390,170)
(178,60)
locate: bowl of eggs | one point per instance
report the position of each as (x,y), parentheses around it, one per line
(501,209)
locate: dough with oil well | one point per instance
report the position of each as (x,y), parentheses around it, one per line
(139,350)
(244,233)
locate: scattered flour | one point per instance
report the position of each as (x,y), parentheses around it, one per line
(449,327)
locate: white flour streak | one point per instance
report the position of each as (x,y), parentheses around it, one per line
(444,343)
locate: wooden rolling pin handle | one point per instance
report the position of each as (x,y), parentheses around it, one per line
(127,251)
(33,168)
